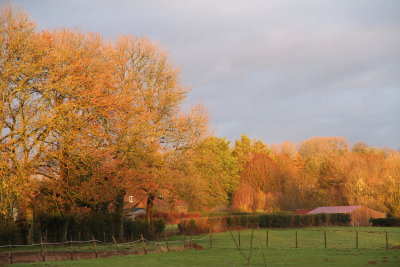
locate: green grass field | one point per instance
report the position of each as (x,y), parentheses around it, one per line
(341,250)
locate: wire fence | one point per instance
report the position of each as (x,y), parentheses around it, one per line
(93,248)
(269,238)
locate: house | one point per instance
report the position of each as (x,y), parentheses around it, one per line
(359,215)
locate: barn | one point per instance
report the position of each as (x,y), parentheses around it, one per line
(360,215)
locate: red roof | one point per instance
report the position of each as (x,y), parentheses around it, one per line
(303,211)
(334,209)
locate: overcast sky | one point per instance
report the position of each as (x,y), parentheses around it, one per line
(274,70)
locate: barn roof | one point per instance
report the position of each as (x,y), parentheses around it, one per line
(334,209)
(302,211)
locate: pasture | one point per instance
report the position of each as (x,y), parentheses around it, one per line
(279,249)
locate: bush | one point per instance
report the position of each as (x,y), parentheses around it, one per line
(159,226)
(198,225)
(280,221)
(170,217)
(297,220)
(308,220)
(264,221)
(386,222)
(244,221)
(339,219)
(323,217)
(230,221)
(8,232)
(319,219)
(134,229)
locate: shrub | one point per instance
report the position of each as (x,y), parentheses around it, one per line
(8,232)
(280,221)
(170,217)
(317,219)
(297,220)
(386,222)
(159,226)
(139,227)
(230,221)
(308,220)
(244,221)
(264,220)
(339,218)
(323,217)
(134,229)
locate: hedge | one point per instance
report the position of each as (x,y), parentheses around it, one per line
(386,222)
(134,229)
(55,229)
(205,224)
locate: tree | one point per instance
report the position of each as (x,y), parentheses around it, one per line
(323,146)
(23,119)
(245,149)
(156,128)
(285,148)
(86,116)
(215,172)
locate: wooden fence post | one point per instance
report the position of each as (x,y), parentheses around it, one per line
(238,237)
(267,240)
(70,247)
(115,243)
(166,240)
(356,239)
(184,240)
(296,239)
(144,245)
(210,237)
(94,246)
(132,241)
(10,256)
(42,250)
(387,241)
(104,237)
(325,238)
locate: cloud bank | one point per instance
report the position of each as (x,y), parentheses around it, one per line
(275,70)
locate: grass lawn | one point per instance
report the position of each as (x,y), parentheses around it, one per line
(341,250)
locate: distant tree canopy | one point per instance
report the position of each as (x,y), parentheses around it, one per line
(321,171)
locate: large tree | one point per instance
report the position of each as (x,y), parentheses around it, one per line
(87,119)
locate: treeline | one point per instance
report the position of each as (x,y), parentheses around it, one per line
(320,171)
(86,122)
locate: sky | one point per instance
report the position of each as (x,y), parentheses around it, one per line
(275,70)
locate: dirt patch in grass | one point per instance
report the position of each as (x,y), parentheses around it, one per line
(372,262)
(194,246)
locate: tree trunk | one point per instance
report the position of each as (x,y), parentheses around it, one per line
(30,221)
(65,229)
(149,212)
(119,210)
